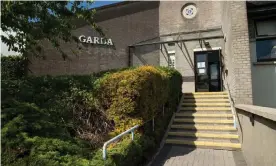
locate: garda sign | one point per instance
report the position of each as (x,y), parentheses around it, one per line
(95,40)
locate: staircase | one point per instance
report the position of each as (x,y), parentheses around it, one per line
(204,120)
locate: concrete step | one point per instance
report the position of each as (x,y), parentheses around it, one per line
(206,93)
(209,121)
(198,100)
(205,109)
(204,96)
(203,131)
(205,144)
(205,112)
(206,104)
(204,127)
(204,135)
(208,139)
(200,115)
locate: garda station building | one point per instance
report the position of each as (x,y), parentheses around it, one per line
(215,45)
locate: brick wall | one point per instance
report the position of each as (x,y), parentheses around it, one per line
(141,21)
(237,54)
(124,24)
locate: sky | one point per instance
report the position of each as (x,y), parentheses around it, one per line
(103,3)
(97,3)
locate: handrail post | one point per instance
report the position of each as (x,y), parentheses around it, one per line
(104,151)
(132,135)
(232,109)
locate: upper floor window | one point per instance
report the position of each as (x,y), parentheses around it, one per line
(266,39)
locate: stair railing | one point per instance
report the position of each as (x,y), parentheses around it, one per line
(232,108)
(131,130)
(231,102)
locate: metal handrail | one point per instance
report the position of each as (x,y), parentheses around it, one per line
(232,108)
(128,131)
(131,130)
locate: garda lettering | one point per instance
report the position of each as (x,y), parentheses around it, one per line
(95,40)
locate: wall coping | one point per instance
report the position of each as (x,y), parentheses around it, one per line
(265,63)
(266,112)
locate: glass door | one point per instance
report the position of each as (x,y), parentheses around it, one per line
(207,71)
(214,79)
(201,72)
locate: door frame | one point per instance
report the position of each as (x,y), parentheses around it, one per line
(196,50)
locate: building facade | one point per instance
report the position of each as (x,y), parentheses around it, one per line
(214,45)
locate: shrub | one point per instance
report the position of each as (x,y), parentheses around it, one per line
(31,137)
(132,97)
(13,67)
(63,120)
(51,121)
(175,85)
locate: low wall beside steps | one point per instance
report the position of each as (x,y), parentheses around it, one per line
(257,133)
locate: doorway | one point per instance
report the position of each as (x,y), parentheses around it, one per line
(207,71)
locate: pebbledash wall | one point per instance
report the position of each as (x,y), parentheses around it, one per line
(134,27)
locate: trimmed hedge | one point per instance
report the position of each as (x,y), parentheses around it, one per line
(136,97)
(64,120)
(13,67)
(132,97)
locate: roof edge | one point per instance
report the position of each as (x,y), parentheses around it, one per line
(113,5)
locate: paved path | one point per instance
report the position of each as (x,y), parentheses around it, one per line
(171,155)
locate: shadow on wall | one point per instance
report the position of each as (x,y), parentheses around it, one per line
(165,53)
(187,55)
(145,55)
(232,101)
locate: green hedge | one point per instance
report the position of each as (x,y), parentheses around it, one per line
(13,67)
(136,97)
(133,96)
(42,117)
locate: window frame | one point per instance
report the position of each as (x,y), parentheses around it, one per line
(263,37)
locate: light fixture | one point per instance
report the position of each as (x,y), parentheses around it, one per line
(207,44)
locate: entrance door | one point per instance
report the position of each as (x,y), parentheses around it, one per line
(207,71)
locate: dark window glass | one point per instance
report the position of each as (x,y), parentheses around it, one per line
(266,49)
(266,27)
(201,57)
(171,44)
(266,39)
(202,87)
(214,71)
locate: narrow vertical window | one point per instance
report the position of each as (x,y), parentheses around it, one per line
(171,59)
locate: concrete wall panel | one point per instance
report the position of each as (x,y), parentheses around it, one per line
(257,135)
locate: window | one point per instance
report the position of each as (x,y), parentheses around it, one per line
(201,64)
(266,39)
(171,60)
